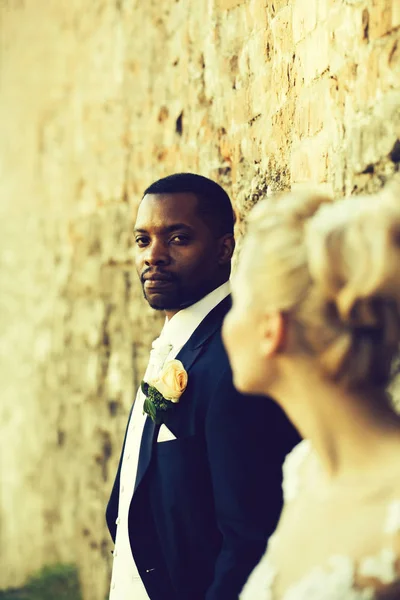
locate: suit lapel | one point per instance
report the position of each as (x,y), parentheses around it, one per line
(149,438)
(187,355)
(205,330)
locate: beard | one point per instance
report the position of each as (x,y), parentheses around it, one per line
(176,298)
(164,301)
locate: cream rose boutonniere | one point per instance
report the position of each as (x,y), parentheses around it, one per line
(165,390)
(172,380)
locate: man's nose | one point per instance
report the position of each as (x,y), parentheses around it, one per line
(157,253)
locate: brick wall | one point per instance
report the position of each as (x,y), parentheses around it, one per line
(98,99)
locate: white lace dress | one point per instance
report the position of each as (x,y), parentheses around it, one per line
(335,579)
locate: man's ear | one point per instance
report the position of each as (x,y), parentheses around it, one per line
(273,333)
(226,248)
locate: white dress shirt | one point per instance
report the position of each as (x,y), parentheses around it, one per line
(126,583)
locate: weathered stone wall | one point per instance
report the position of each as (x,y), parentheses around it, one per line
(98,99)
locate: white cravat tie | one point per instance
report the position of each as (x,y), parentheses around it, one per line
(160,349)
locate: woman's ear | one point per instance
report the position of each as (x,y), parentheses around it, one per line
(274,333)
(226,248)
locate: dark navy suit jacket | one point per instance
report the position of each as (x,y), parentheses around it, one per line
(205,503)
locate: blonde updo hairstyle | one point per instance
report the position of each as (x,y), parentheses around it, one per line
(334,268)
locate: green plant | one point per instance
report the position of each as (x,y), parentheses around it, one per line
(56,582)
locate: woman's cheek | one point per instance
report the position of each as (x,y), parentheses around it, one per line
(227,331)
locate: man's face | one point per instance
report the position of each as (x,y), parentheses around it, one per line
(177,256)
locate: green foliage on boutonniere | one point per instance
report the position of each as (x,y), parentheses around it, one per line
(164,391)
(155,404)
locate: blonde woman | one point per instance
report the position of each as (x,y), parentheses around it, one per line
(315,324)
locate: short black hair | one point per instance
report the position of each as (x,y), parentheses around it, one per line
(214,203)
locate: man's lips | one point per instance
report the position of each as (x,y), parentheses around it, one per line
(156,278)
(157,281)
(152,277)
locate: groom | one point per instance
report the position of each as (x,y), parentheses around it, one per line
(198,490)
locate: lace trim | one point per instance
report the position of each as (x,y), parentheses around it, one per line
(336,579)
(382,566)
(336,582)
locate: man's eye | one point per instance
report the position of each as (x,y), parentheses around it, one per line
(182,240)
(141,241)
